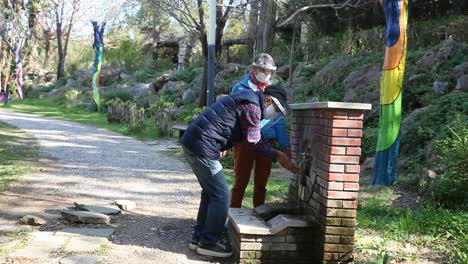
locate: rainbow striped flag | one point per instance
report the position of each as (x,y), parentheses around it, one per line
(391,87)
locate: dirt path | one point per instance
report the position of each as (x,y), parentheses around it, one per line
(96,166)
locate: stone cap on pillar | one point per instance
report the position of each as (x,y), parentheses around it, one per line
(331,105)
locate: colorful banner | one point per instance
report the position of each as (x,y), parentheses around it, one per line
(391,87)
(19,73)
(98,47)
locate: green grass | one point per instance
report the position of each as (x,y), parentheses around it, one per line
(277,190)
(79,114)
(383,228)
(18,152)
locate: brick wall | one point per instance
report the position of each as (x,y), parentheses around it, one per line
(328,193)
(291,245)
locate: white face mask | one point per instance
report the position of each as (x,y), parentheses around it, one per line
(262,77)
(270,112)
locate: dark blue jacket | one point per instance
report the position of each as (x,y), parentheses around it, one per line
(218,128)
(278,131)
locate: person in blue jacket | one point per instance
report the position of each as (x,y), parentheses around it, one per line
(273,131)
(230,120)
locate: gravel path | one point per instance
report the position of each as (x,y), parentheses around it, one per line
(96,166)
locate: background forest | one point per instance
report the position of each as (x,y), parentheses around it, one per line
(326,50)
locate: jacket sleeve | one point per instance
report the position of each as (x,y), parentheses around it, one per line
(282,134)
(237,88)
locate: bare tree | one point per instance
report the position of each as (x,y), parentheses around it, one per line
(190,14)
(60,21)
(252,29)
(266,27)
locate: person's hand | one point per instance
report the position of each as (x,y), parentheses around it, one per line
(223,153)
(288,164)
(288,152)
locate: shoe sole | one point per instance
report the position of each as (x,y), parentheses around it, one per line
(193,246)
(207,252)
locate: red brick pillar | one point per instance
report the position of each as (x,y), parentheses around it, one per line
(329,133)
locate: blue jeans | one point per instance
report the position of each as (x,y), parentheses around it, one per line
(214,202)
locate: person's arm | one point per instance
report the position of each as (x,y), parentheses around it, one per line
(250,125)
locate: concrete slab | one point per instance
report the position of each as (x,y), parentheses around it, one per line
(81,259)
(41,244)
(14,229)
(77,231)
(8,245)
(85,244)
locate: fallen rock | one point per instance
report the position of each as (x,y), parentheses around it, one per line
(31,220)
(368,164)
(329,75)
(416,77)
(362,86)
(85,217)
(188,95)
(312,100)
(440,88)
(97,209)
(432,59)
(139,90)
(462,83)
(125,205)
(460,70)
(411,118)
(283,72)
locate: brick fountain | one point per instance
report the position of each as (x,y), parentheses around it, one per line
(318,223)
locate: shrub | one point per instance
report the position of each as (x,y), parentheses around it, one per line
(449,188)
(126,113)
(186,75)
(162,113)
(192,115)
(122,94)
(71,97)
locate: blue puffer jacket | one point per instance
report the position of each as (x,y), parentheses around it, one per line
(278,130)
(218,128)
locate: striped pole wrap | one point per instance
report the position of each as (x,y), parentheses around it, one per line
(98,47)
(19,73)
(391,86)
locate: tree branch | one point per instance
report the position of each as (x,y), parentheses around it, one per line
(334,6)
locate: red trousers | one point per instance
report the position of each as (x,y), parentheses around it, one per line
(244,159)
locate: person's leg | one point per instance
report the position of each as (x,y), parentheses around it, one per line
(243,163)
(204,200)
(214,204)
(262,173)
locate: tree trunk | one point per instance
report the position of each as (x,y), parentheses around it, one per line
(204,90)
(252,31)
(266,27)
(61,57)
(67,36)
(58,24)
(48,42)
